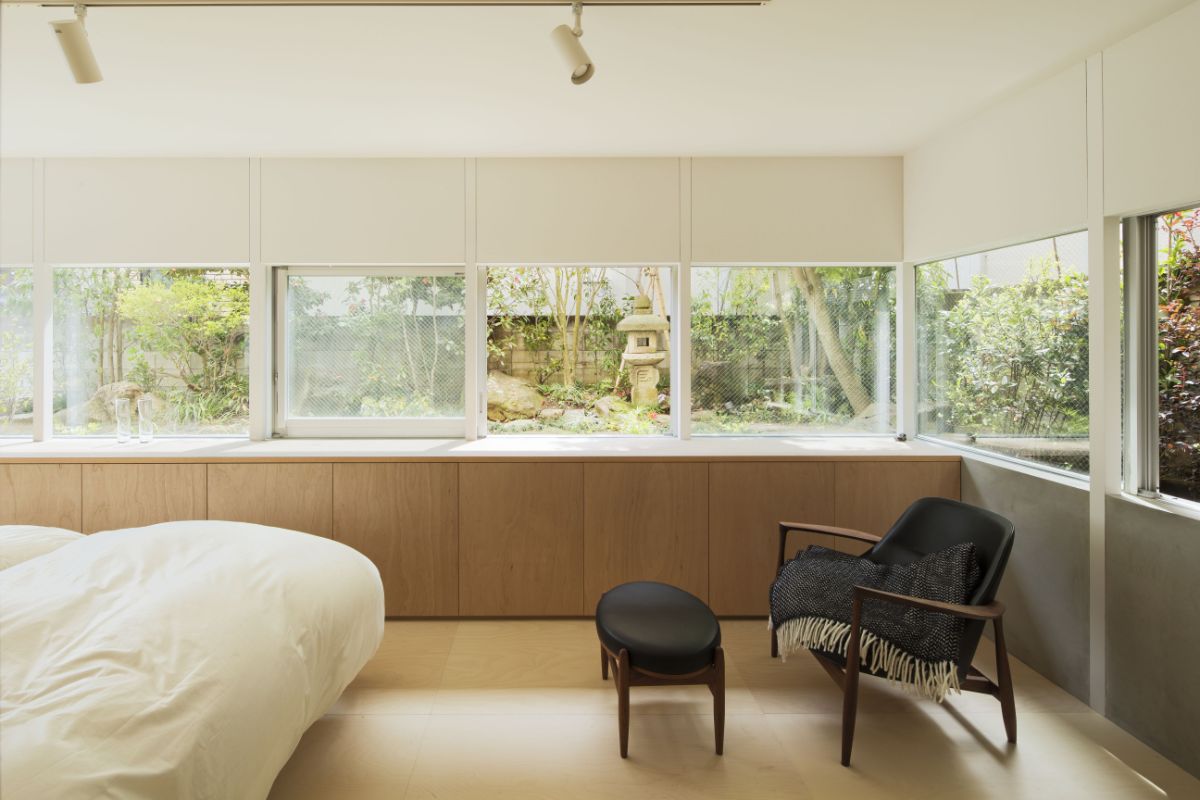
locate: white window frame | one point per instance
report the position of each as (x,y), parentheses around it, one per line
(1140,415)
(360,427)
(902,301)
(676,392)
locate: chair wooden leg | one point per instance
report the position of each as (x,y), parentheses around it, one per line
(718,692)
(603,663)
(622,676)
(850,685)
(774,644)
(1008,706)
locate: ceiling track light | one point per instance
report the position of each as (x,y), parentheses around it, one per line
(566,39)
(73,39)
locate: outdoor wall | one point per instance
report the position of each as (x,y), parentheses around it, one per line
(1013,173)
(1151,119)
(1046,586)
(1153,605)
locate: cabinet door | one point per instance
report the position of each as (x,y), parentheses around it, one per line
(521,539)
(294,496)
(645,522)
(130,495)
(871,495)
(747,501)
(404,517)
(41,494)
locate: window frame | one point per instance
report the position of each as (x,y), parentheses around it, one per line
(33,352)
(1024,464)
(285,426)
(1139,415)
(900,380)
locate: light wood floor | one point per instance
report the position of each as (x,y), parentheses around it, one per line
(517,709)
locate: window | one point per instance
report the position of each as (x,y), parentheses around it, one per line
(372,351)
(1002,351)
(793,350)
(16,351)
(578,350)
(1163,353)
(175,335)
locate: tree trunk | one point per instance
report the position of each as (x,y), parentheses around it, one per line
(852,387)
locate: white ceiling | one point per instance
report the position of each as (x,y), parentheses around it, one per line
(797,77)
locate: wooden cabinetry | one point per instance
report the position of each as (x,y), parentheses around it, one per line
(520,539)
(41,494)
(747,501)
(644,522)
(296,496)
(404,517)
(872,494)
(129,495)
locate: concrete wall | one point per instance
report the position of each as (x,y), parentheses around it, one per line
(1046,585)
(1153,605)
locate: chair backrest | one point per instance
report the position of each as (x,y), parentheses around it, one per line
(935,523)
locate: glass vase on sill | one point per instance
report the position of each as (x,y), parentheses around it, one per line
(145,420)
(123,414)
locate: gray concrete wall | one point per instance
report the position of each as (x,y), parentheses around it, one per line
(1046,585)
(1153,610)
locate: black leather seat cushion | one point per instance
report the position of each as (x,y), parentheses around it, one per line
(665,629)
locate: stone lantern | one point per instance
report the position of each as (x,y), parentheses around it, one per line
(641,351)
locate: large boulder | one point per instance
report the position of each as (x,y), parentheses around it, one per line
(99,411)
(511,398)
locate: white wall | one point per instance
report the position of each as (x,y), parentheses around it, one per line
(1014,172)
(1152,117)
(137,210)
(16,211)
(811,209)
(363,211)
(578,210)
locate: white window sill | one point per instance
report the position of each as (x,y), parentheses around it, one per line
(197,449)
(1169,505)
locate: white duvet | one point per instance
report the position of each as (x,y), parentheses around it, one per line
(181,660)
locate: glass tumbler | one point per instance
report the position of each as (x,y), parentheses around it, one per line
(145,419)
(122,412)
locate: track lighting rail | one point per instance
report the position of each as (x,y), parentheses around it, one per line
(185,3)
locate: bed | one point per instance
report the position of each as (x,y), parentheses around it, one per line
(181,660)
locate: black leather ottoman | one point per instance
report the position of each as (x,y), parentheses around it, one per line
(654,634)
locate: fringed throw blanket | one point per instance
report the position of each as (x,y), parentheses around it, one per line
(811,601)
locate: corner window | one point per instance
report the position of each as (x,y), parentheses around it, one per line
(1002,351)
(578,350)
(16,351)
(793,350)
(378,351)
(176,336)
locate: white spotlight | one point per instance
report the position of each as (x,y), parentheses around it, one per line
(73,39)
(566,39)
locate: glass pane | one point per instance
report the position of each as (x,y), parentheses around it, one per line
(1179,354)
(560,361)
(375,346)
(793,350)
(1002,351)
(16,351)
(177,335)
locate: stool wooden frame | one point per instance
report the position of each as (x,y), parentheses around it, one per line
(626,675)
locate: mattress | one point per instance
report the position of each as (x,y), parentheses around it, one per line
(181,660)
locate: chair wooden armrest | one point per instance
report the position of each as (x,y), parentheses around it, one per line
(803,527)
(992,610)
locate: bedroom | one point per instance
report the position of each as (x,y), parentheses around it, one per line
(369,371)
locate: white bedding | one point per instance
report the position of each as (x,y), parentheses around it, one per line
(181,660)
(19,543)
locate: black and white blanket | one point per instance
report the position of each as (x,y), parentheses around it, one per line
(811,601)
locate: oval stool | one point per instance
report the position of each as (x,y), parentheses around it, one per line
(654,634)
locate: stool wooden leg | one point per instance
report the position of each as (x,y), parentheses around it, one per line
(718,691)
(603,663)
(622,668)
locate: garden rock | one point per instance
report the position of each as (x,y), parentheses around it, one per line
(550,413)
(610,404)
(99,408)
(511,398)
